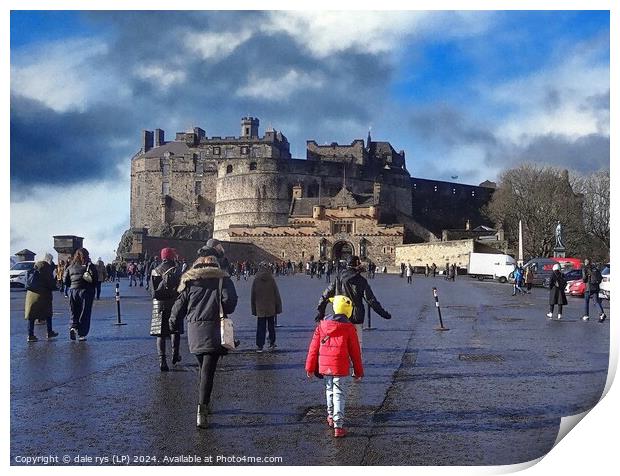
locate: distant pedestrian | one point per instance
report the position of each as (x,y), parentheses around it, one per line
(556,291)
(39,298)
(592,277)
(452,272)
(202,304)
(434,269)
(132,271)
(409,272)
(333,348)
(164,280)
(140,270)
(266,305)
(101,274)
(529,279)
(518,277)
(427,271)
(81,278)
(60,271)
(402,270)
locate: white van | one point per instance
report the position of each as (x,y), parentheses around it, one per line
(491,266)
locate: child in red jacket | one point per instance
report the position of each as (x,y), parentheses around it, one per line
(334,345)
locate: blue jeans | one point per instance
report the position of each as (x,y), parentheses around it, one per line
(262,323)
(335,393)
(597,299)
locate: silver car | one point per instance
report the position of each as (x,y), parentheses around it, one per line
(17,273)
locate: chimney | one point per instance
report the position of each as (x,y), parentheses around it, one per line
(159,137)
(147,140)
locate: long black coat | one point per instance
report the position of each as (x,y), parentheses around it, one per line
(353,285)
(198,303)
(556,289)
(165,279)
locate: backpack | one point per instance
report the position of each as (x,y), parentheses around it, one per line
(166,288)
(595,276)
(33,278)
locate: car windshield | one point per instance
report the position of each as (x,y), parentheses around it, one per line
(22,266)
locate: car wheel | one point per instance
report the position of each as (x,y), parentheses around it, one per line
(502,279)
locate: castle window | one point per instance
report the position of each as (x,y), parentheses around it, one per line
(435,188)
(199,167)
(165,188)
(283,254)
(454,191)
(198,188)
(473,193)
(217,150)
(244,151)
(247,131)
(229,169)
(252,165)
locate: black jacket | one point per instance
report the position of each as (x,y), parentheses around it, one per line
(586,274)
(557,295)
(165,279)
(198,303)
(353,285)
(74,276)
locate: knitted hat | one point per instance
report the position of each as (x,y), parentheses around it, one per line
(342,305)
(168,253)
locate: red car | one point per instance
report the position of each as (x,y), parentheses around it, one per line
(576,288)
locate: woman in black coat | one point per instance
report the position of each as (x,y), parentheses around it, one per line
(556,291)
(199,304)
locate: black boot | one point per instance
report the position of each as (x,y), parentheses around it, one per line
(163,365)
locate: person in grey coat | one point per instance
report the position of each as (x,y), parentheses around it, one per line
(81,278)
(199,304)
(266,305)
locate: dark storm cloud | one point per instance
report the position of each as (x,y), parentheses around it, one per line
(585,154)
(449,127)
(49,147)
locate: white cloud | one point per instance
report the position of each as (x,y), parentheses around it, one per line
(215,46)
(97,212)
(62,76)
(281,87)
(326,33)
(552,100)
(161,77)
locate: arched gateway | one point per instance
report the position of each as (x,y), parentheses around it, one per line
(342,250)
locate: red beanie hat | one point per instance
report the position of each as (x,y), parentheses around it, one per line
(168,253)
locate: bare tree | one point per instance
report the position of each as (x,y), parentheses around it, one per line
(539,197)
(596,203)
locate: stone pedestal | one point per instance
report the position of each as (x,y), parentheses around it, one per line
(559,252)
(66,245)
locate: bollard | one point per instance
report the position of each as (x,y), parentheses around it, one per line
(118,308)
(441,327)
(368,315)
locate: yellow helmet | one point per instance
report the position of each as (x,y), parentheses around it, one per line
(342,305)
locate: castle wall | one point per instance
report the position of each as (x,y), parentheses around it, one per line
(440,253)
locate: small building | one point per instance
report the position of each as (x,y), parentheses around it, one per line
(25,255)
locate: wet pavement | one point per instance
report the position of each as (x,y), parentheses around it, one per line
(490,391)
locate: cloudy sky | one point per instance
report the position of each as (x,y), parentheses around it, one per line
(465,94)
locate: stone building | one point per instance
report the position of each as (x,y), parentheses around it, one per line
(357,198)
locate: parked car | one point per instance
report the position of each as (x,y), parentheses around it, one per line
(577,288)
(542,269)
(606,283)
(17,273)
(569,263)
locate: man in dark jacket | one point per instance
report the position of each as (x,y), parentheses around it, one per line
(591,275)
(164,280)
(352,284)
(266,305)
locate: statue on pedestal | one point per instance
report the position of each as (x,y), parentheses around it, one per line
(559,243)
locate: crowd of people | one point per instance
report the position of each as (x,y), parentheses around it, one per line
(195,298)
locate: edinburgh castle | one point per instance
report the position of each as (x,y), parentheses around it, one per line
(356,198)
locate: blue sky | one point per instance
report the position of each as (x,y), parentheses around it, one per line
(463,93)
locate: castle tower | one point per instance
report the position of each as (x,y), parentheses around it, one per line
(249,127)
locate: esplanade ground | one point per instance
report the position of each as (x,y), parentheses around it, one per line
(490,391)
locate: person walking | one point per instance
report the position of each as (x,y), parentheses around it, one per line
(434,269)
(409,271)
(266,305)
(518,277)
(529,279)
(81,278)
(131,272)
(102,275)
(60,271)
(402,269)
(352,284)
(592,277)
(39,296)
(452,272)
(140,270)
(205,294)
(164,280)
(427,271)
(557,295)
(333,348)
(329,270)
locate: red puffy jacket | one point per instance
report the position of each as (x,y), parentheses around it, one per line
(334,344)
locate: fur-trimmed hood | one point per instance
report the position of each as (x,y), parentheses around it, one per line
(202,272)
